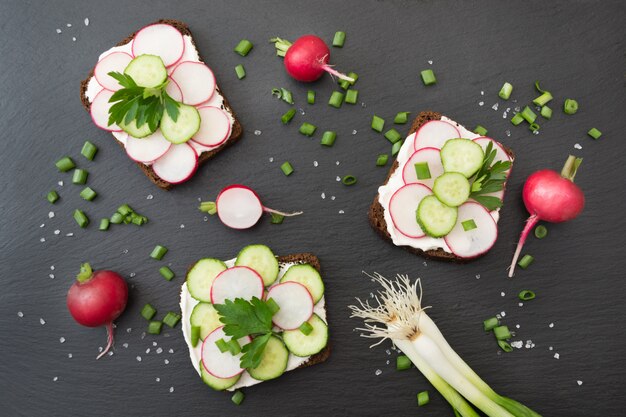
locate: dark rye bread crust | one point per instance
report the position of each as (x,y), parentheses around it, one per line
(376,211)
(236,130)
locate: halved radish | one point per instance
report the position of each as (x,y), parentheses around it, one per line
(236,282)
(161,40)
(147,149)
(116,62)
(432,157)
(99,110)
(434,134)
(501,154)
(295,302)
(195,80)
(473,242)
(221,364)
(403,207)
(214,126)
(177,165)
(173,90)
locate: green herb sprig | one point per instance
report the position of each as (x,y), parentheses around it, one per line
(490,178)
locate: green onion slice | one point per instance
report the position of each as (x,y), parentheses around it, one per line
(541,231)
(469,225)
(526,295)
(349,180)
(422,171)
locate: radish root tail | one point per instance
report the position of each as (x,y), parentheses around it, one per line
(109,341)
(281,213)
(329,69)
(530,223)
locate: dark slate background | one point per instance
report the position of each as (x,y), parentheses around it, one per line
(576,48)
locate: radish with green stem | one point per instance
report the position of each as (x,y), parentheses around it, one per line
(551,197)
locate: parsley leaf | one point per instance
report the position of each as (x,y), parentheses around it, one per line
(490,178)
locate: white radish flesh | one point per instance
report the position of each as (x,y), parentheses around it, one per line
(214,126)
(147,149)
(162,40)
(173,90)
(432,157)
(114,62)
(196,81)
(221,364)
(99,110)
(474,242)
(177,165)
(295,302)
(434,134)
(236,282)
(238,207)
(403,206)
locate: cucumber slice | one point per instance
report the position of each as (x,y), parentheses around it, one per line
(274,362)
(462,155)
(306,345)
(147,71)
(452,189)
(218,384)
(136,132)
(435,218)
(262,260)
(185,126)
(206,317)
(201,276)
(308,276)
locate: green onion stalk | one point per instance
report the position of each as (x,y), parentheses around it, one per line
(406,324)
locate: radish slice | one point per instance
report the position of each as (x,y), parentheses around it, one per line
(432,157)
(474,242)
(295,302)
(147,149)
(221,364)
(177,165)
(117,62)
(501,154)
(236,282)
(199,148)
(434,134)
(214,126)
(162,40)
(238,207)
(403,207)
(173,90)
(99,110)
(195,80)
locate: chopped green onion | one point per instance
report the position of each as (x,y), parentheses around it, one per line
(517,119)
(306,328)
(502,332)
(594,133)
(533,127)
(456,413)
(352,96)
(479,130)
(336,99)
(570,106)
(396,148)
(88,194)
(286,168)
(52,197)
(392,135)
(154,327)
(222,345)
(526,295)
(403,363)
(428,77)
(276,218)
(125,210)
(234,347)
(422,398)
(339,39)
(505,91)
(272,305)
(166,272)
(148,312)
(422,171)
(208,207)
(328,138)
(382,159)
(402,117)
(469,225)
(310,97)
(137,220)
(345,84)
(89,150)
(65,164)
(491,323)
(286,118)
(505,346)
(128,219)
(158,252)
(237,397)
(240,71)
(539,88)
(195,335)
(79,176)
(543,99)
(541,231)
(546,112)
(243,47)
(525,261)
(117,218)
(104,225)
(349,180)
(528,115)
(283,94)
(81,218)
(378,123)
(307,129)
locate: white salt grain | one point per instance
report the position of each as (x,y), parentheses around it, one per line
(86,21)
(577,146)
(42,321)
(557,356)
(61,339)
(58,30)
(579,382)
(378,372)
(257,132)
(481,103)
(138,358)
(315,164)
(323,195)
(51,214)
(20,314)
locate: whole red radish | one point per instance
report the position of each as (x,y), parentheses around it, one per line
(96,299)
(551,197)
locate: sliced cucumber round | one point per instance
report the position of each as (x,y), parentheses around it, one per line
(218,384)
(307,345)
(147,71)
(136,132)
(308,276)
(452,189)
(206,317)
(274,362)
(201,276)
(435,218)
(462,155)
(262,260)
(186,125)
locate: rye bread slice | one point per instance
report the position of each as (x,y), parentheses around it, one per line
(236,130)
(376,210)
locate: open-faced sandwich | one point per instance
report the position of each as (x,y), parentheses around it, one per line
(161,102)
(255,317)
(443,194)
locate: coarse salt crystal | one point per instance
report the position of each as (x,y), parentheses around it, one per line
(481,103)
(147,351)
(517,344)
(495,106)
(182,226)
(315,163)
(166,361)
(272,159)
(577,146)
(557,356)
(69,25)
(378,372)
(61,339)
(60,183)
(171,350)
(56,232)
(477,276)
(159,350)
(354,131)
(55,379)
(336,162)
(154,343)
(502,294)
(51,276)
(42,321)
(430,61)
(579,382)
(43,239)
(20,314)
(551,325)
(341,212)
(86,21)
(138,358)
(58,30)
(69,355)
(171,389)
(157,379)
(337,179)
(482,93)
(323,195)
(503,314)
(332,197)
(125,345)
(73,38)
(51,214)
(42,225)
(69,234)
(257,132)
(149,197)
